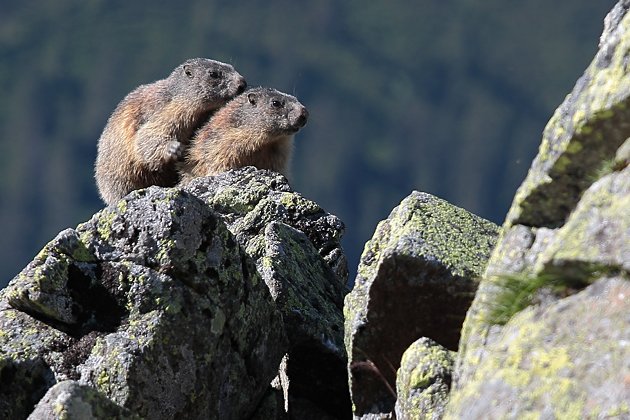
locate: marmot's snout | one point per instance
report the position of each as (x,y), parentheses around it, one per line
(299,117)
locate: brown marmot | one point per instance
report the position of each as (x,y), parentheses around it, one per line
(150,127)
(255,128)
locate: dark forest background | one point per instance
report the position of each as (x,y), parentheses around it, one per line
(446,97)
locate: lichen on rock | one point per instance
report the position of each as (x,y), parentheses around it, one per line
(167,316)
(424,258)
(71,400)
(161,306)
(567,359)
(587,129)
(423,381)
(296,247)
(560,267)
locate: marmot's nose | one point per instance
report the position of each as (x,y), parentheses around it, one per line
(241,86)
(302,117)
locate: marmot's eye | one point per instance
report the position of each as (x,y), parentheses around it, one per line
(215,74)
(277,104)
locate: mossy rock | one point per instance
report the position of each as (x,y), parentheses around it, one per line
(563,360)
(248,199)
(424,258)
(166,314)
(310,299)
(597,234)
(568,224)
(584,132)
(158,303)
(423,381)
(297,250)
(25,346)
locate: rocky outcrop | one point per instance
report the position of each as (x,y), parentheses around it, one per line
(417,277)
(545,334)
(159,306)
(223,298)
(296,247)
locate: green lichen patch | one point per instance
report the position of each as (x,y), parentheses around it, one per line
(296,203)
(458,239)
(104,223)
(234,200)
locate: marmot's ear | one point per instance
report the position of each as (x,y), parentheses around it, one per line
(251,97)
(188,70)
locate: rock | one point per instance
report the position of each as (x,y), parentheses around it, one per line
(271,407)
(26,347)
(297,250)
(154,304)
(597,234)
(569,359)
(535,331)
(423,381)
(584,132)
(424,258)
(248,199)
(182,302)
(70,400)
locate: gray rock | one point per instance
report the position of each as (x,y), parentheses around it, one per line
(162,304)
(163,312)
(26,348)
(297,250)
(423,381)
(569,359)
(424,258)
(597,233)
(248,199)
(547,329)
(70,400)
(584,132)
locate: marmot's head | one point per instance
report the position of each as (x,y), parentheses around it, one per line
(270,111)
(208,81)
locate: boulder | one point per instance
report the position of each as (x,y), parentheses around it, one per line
(423,381)
(417,277)
(560,271)
(583,134)
(565,359)
(183,302)
(296,247)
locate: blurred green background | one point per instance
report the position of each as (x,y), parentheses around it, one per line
(446,97)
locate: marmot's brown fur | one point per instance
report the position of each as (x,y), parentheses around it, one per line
(151,126)
(255,128)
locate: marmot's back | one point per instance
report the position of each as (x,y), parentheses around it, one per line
(151,126)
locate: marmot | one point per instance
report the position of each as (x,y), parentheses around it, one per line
(150,127)
(255,128)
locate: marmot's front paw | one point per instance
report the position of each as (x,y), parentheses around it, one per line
(174,149)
